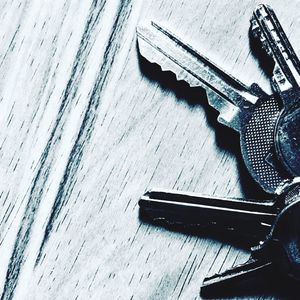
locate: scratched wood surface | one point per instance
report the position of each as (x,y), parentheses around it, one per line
(87,127)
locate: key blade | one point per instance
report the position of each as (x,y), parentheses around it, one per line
(266,27)
(225,93)
(219,284)
(245,217)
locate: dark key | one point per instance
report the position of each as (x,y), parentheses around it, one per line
(279,253)
(277,224)
(246,218)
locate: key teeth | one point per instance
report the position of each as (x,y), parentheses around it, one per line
(260,6)
(258,36)
(225,273)
(168,70)
(179,78)
(164,66)
(256,30)
(212,286)
(208,289)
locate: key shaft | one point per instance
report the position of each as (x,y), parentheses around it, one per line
(246,217)
(266,26)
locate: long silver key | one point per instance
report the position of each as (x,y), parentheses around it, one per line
(256,116)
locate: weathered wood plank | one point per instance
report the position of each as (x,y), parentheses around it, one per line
(88,127)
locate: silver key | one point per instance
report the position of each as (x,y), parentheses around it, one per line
(258,117)
(286,80)
(266,27)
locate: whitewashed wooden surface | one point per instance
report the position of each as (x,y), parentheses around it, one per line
(86,128)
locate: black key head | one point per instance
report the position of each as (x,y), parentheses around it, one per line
(285,234)
(279,254)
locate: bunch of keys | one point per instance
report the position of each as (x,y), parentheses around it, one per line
(270,144)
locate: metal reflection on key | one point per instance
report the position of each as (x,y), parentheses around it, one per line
(267,124)
(270,144)
(286,80)
(276,224)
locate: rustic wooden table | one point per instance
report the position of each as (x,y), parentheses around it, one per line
(87,127)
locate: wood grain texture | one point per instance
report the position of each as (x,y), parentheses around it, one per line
(87,127)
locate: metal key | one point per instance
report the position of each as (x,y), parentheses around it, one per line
(269,138)
(276,224)
(278,253)
(286,80)
(247,218)
(268,124)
